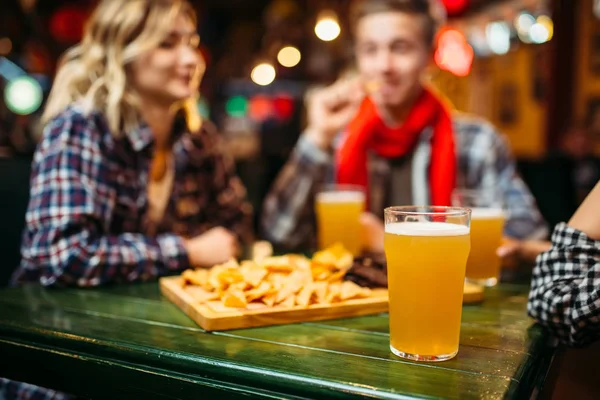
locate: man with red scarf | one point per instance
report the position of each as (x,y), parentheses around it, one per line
(388,132)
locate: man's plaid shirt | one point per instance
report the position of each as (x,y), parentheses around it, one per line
(484,162)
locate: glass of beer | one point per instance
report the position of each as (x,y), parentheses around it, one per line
(426,250)
(338,209)
(487,224)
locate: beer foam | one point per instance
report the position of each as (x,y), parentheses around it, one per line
(341,196)
(426,229)
(487,213)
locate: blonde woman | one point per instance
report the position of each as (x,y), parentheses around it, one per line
(127,183)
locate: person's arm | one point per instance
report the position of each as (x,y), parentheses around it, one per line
(67,239)
(587,217)
(565,288)
(515,253)
(288,219)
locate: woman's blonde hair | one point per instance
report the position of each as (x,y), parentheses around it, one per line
(94,72)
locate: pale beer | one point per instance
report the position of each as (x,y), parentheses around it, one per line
(426,264)
(338,213)
(483,266)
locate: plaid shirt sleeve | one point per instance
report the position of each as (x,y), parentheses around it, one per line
(288,219)
(524,219)
(565,287)
(67,239)
(16,390)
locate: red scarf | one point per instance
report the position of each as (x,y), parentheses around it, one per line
(367,131)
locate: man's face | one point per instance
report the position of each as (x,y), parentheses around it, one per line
(392,53)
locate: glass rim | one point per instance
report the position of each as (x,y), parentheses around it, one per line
(340,187)
(473,191)
(496,202)
(442,210)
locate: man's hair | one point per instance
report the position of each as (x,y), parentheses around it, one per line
(421,8)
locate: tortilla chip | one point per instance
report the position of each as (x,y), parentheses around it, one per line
(289,302)
(255,294)
(269,299)
(303,298)
(254,275)
(235,298)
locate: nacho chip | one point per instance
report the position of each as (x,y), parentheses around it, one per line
(262,290)
(269,299)
(261,250)
(289,302)
(303,298)
(336,276)
(277,264)
(254,275)
(243,286)
(288,289)
(345,262)
(235,298)
(285,281)
(348,290)
(334,293)
(276,280)
(230,276)
(195,277)
(320,291)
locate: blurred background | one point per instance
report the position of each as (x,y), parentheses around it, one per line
(532,67)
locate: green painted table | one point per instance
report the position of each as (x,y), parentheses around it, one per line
(130,342)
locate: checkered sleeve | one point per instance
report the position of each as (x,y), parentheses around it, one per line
(20,390)
(288,219)
(565,287)
(67,239)
(524,219)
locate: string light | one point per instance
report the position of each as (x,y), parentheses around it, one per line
(498,37)
(263,74)
(289,56)
(454,53)
(23,95)
(523,24)
(237,106)
(327,27)
(543,30)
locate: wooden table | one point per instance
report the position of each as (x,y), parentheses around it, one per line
(129,342)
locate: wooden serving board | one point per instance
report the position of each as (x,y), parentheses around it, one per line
(213,316)
(225,318)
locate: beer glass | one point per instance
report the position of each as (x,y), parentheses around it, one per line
(426,250)
(487,224)
(338,209)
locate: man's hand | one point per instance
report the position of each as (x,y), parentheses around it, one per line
(330,110)
(514,252)
(373,232)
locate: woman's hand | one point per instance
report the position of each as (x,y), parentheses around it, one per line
(215,246)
